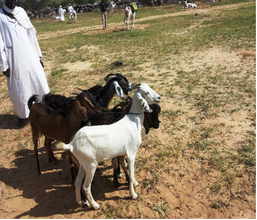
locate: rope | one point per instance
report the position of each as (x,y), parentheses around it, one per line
(126,113)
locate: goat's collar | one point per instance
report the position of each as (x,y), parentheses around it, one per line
(126,113)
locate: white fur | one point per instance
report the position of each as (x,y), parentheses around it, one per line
(189,5)
(95,144)
(72,13)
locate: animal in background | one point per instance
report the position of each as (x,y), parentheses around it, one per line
(189,5)
(130,14)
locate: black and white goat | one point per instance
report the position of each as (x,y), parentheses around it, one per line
(115,84)
(129,14)
(99,96)
(95,144)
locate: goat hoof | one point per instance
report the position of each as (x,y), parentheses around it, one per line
(50,160)
(117,184)
(81,203)
(120,175)
(84,204)
(134,196)
(96,206)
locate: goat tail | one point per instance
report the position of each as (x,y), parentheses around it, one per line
(33,98)
(63,146)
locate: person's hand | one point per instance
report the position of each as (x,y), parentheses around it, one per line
(7,72)
(41,63)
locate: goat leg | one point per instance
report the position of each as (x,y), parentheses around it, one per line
(90,172)
(116,171)
(35,140)
(132,181)
(74,168)
(119,172)
(124,166)
(78,183)
(48,142)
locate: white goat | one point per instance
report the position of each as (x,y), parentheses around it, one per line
(189,5)
(95,144)
(130,13)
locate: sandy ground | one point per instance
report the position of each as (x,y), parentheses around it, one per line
(180,189)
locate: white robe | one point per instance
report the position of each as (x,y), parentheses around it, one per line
(61,14)
(20,51)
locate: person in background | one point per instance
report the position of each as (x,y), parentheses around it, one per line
(20,59)
(72,13)
(103,7)
(61,13)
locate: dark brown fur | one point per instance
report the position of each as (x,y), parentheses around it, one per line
(55,125)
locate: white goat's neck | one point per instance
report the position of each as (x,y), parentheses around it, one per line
(136,107)
(136,113)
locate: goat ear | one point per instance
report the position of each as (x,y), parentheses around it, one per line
(146,123)
(83,112)
(90,107)
(118,89)
(145,106)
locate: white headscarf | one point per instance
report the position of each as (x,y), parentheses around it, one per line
(21,16)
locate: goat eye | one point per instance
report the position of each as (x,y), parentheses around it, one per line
(147,93)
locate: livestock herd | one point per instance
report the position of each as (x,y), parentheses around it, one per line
(93,132)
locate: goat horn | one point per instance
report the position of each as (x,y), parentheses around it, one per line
(80,89)
(109,77)
(136,87)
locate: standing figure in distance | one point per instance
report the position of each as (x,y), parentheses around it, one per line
(20,59)
(72,13)
(103,7)
(61,13)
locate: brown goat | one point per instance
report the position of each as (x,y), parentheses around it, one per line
(56,125)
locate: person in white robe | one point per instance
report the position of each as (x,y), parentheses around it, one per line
(61,13)
(72,13)
(20,58)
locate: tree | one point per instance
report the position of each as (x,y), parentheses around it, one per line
(81,2)
(33,4)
